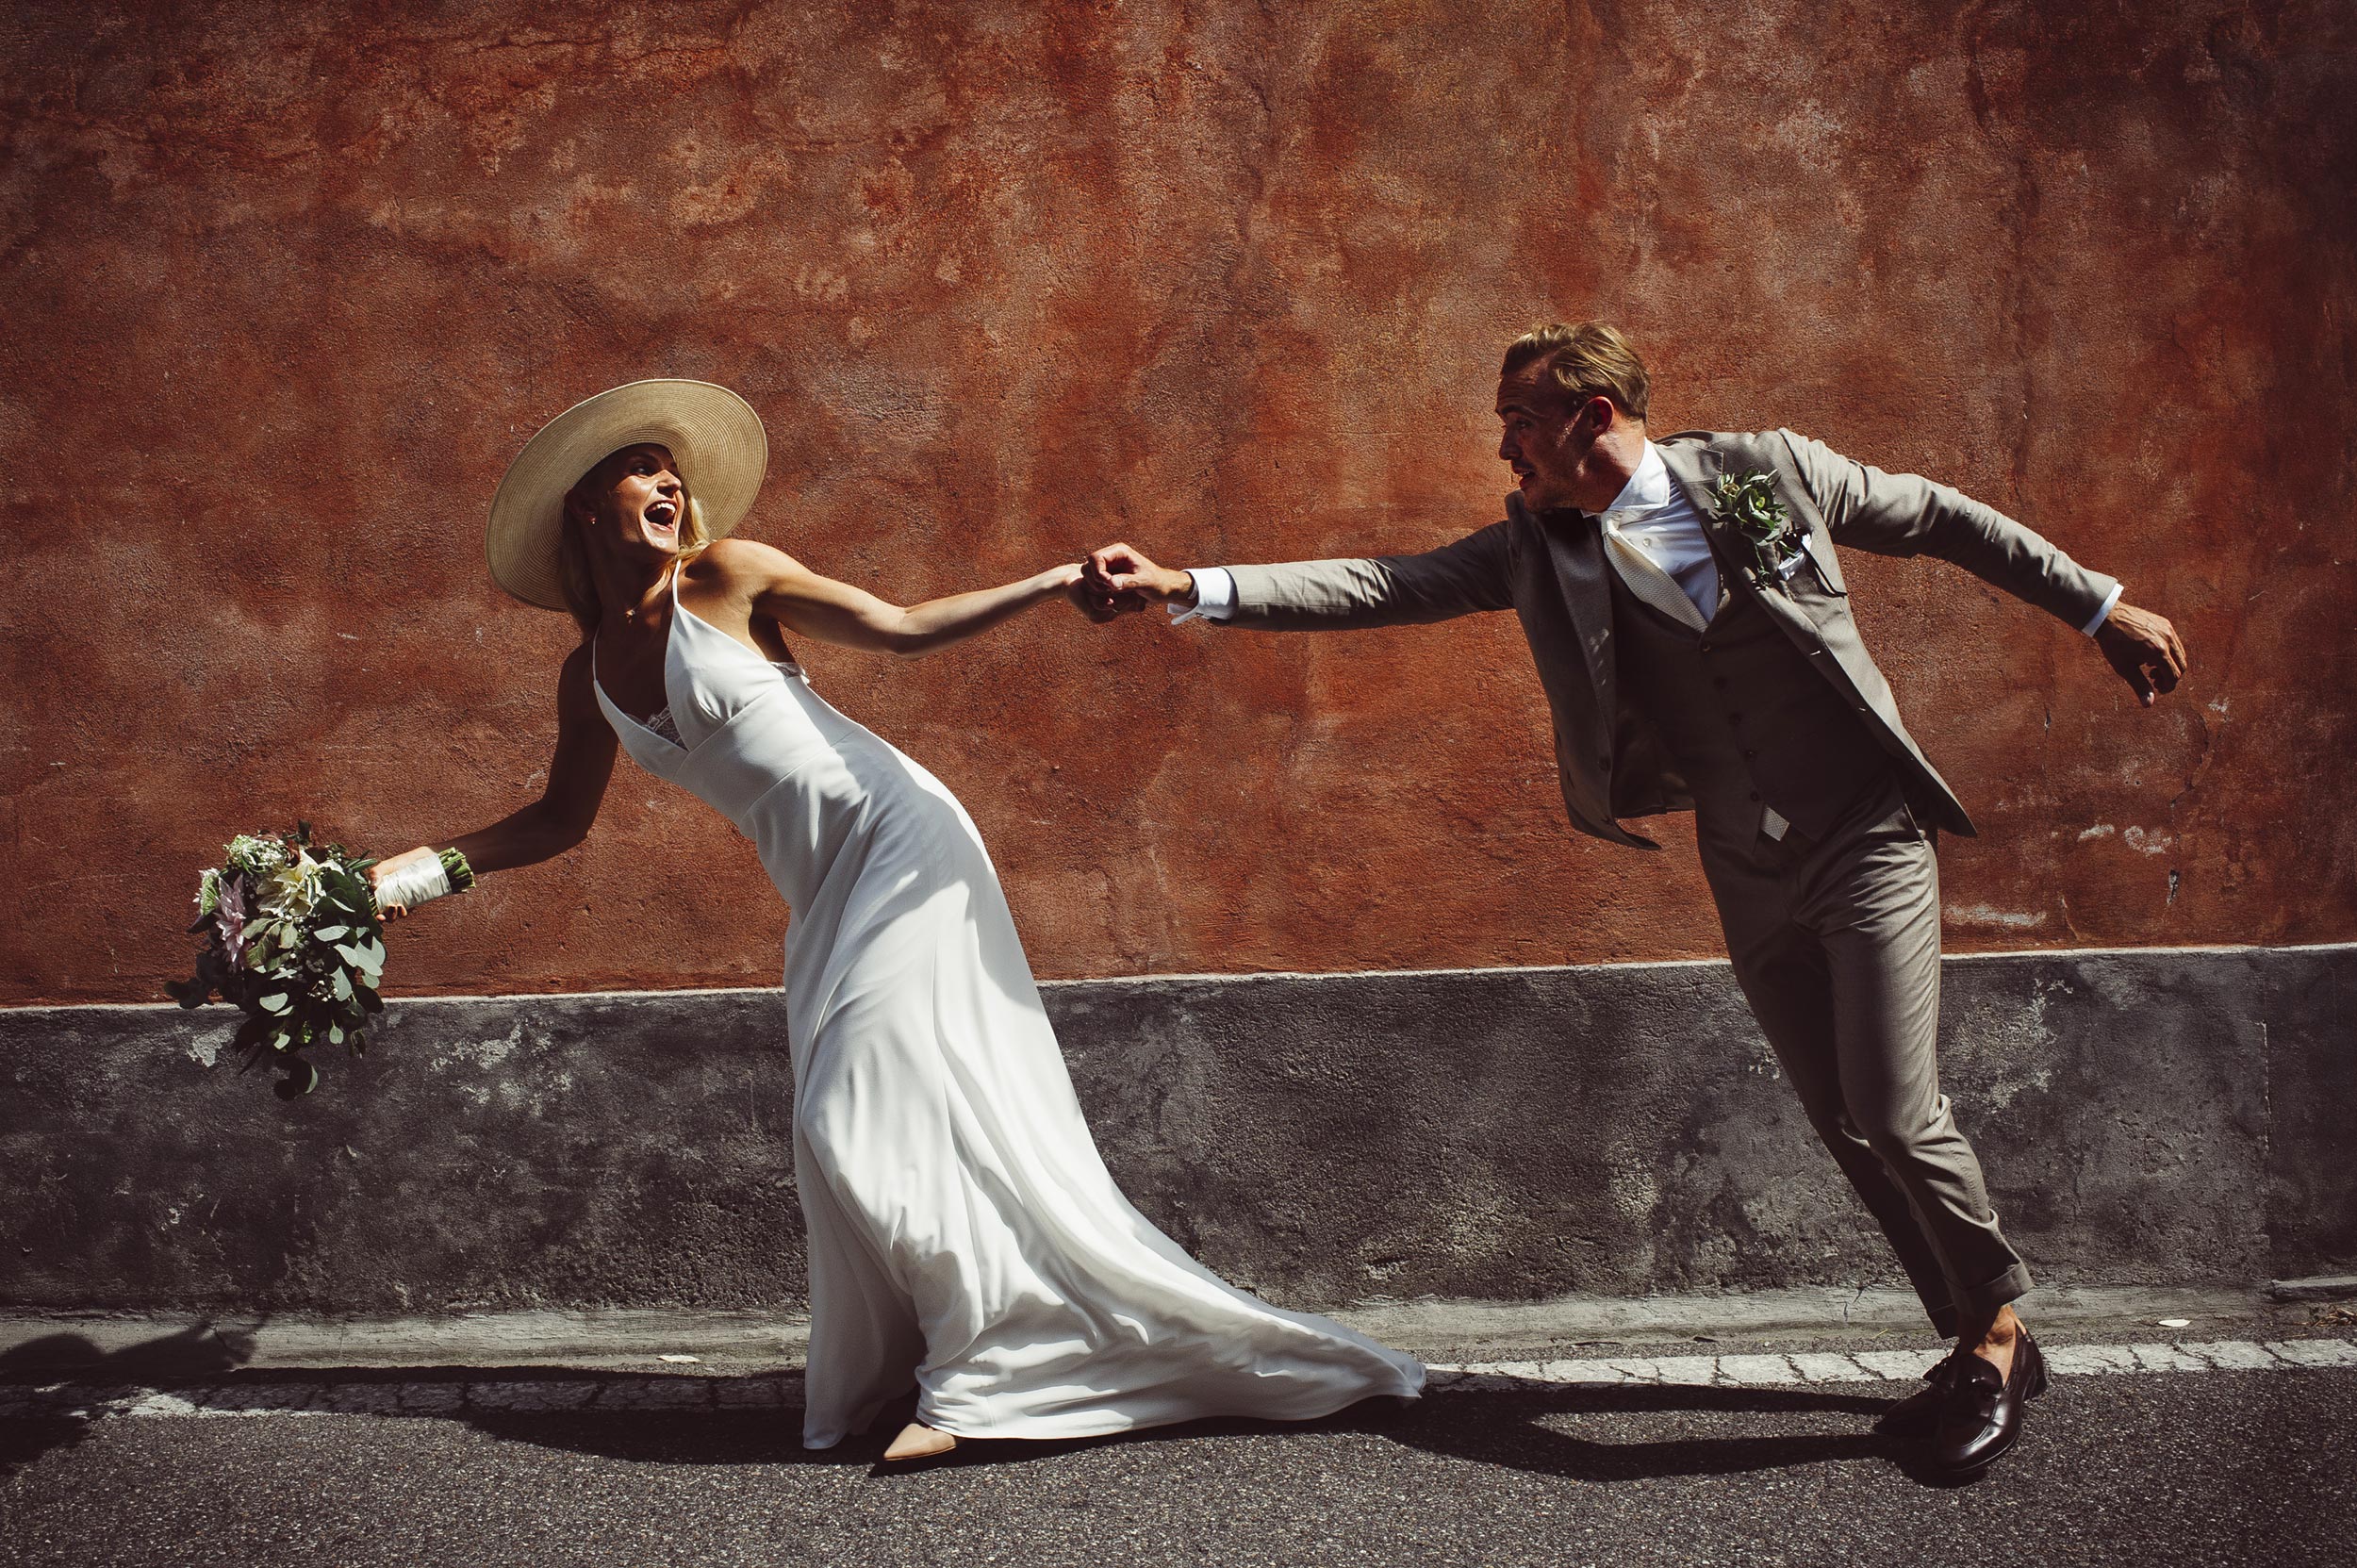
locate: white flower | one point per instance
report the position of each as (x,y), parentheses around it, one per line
(256,856)
(293,889)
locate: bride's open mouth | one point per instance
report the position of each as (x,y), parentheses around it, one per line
(663,514)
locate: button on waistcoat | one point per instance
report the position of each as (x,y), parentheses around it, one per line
(1742,714)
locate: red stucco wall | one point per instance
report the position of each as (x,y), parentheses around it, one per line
(283,295)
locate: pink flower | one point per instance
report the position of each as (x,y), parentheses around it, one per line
(229,916)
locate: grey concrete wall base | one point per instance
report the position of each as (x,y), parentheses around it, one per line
(1509,1135)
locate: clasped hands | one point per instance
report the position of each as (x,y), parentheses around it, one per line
(1119,580)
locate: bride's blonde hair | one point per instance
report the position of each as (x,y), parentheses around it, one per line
(572,552)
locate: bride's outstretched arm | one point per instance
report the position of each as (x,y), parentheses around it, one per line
(559,819)
(803,602)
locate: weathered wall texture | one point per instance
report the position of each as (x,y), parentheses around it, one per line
(287,285)
(2143,1117)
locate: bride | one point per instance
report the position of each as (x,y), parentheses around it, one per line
(965,1238)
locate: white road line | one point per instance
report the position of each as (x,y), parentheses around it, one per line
(636,1395)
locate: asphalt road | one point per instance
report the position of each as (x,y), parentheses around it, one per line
(2210,1468)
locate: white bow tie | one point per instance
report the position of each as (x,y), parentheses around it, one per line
(1621,516)
(1646,578)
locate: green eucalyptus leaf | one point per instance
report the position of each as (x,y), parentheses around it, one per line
(274,1002)
(302,1078)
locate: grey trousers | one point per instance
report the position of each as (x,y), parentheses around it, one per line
(1835,943)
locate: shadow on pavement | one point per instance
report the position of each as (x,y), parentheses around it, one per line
(1522,1428)
(23,1442)
(1503,1428)
(774,1436)
(198,1350)
(764,1436)
(1509,1429)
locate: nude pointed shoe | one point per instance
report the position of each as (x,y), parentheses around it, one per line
(918,1442)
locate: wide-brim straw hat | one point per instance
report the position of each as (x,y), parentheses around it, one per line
(715,442)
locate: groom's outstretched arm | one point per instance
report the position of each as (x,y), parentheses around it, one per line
(1463,578)
(1905,514)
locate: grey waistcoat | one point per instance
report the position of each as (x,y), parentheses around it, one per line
(1746,722)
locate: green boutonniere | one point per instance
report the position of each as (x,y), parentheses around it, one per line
(1747,504)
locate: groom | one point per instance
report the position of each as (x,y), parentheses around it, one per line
(1692,630)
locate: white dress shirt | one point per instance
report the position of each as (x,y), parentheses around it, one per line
(1652,512)
(1659,519)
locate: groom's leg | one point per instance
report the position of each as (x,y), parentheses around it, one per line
(1873,901)
(1787,976)
(1786,980)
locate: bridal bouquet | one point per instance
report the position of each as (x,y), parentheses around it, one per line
(292,939)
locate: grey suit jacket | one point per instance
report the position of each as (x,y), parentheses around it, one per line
(1550,572)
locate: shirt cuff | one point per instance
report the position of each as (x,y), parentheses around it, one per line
(1215,597)
(2100,616)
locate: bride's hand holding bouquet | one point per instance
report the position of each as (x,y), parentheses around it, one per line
(400,882)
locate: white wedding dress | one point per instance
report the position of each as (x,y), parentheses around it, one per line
(965,1238)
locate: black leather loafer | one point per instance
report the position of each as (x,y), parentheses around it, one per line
(1981,1418)
(1917,1415)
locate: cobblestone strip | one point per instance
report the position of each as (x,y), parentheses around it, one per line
(655,1394)
(1866,1366)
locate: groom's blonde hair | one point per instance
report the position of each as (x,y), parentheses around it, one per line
(1586,360)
